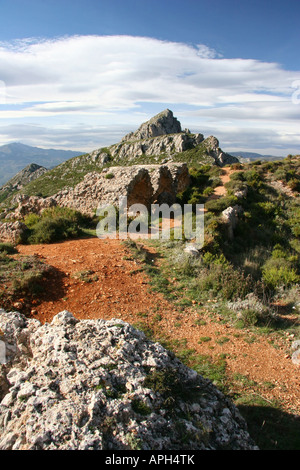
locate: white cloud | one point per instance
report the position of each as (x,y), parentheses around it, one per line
(85,82)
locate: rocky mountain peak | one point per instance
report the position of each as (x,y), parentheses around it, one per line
(23,177)
(161,124)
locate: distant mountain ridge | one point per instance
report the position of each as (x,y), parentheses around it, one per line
(16,156)
(23,177)
(255,156)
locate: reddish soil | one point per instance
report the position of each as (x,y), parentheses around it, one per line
(119,289)
(225,178)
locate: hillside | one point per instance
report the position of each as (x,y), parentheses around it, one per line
(16,156)
(252,156)
(229,310)
(21,179)
(155,142)
(201,307)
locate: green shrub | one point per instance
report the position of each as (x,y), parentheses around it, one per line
(20,275)
(209,258)
(7,248)
(219,205)
(294,184)
(168,384)
(237,176)
(215,181)
(31,219)
(235,185)
(253,177)
(55,224)
(208,191)
(279,272)
(140,407)
(28,282)
(223,280)
(252,311)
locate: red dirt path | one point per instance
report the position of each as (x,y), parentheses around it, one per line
(119,289)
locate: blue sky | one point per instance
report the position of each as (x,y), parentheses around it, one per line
(80,74)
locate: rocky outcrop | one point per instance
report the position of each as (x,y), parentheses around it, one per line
(221,158)
(166,145)
(162,124)
(162,135)
(231,216)
(31,204)
(96,385)
(12,232)
(124,170)
(295,348)
(25,176)
(144,184)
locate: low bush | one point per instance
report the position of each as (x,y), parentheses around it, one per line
(254,177)
(294,184)
(219,205)
(251,311)
(31,220)
(278,272)
(220,279)
(7,248)
(54,225)
(20,276)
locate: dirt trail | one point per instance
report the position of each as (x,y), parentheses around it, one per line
(225,178)
(118,288)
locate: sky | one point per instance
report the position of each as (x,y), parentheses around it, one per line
(80,74)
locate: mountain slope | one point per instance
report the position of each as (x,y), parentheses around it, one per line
(22,178)
(156,141)
(14,157)
(250,156)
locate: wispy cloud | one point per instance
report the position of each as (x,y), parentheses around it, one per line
(84,83)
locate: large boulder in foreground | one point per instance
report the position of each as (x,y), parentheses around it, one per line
(96,385)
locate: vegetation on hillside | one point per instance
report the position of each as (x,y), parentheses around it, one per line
(56,224)
(263,257)
(71,172)
(65,175)
(20,277)
(251,280)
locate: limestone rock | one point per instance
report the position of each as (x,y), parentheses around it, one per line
(242,192)
(296,357)
(12,232)
(191,249)
(167,144)
(230,217)
(100,156)
(31,204)
(163,135)
(144,184)
(23,177)
(295,347)
(161,124)
(221,158)
(2,352)
(93,385)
